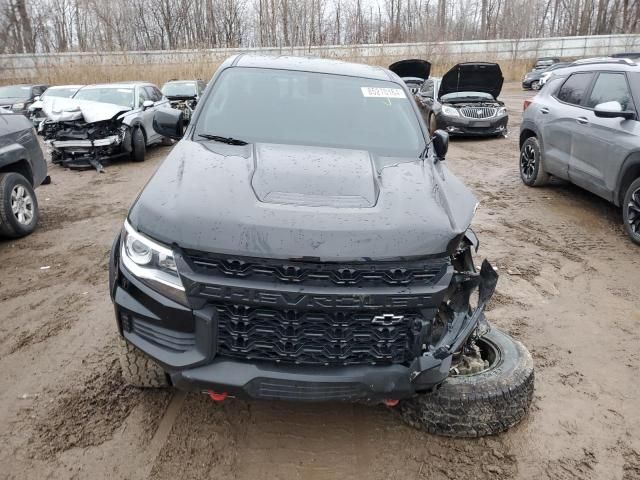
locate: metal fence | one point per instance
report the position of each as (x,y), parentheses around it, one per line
(28,66)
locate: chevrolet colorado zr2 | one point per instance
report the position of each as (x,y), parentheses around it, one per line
(305,241)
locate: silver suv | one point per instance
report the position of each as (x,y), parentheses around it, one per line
(583,127)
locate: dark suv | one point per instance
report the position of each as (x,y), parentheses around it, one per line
(583,127)
(306,241)
(22,169)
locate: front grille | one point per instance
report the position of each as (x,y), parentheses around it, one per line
(314,338)
(478,112)
(424,272)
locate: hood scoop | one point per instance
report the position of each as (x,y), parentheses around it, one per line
(314,176)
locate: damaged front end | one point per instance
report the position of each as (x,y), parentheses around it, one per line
(186,104)
(447,342)
(79,145)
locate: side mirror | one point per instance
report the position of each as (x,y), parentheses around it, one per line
(613,110)
(440,141)
(147,104)
(168,122)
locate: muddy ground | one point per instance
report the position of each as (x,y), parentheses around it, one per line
(569,290)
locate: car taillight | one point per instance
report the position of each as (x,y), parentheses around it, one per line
(526,105)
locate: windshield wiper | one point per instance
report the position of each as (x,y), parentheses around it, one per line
(227,140)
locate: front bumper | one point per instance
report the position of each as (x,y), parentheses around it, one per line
(469,127)
(183,340)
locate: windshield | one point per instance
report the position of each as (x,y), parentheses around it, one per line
(179,89)
(452,97)
(544,64)
(59,92)
(15,91)
(117,96)
(304,108)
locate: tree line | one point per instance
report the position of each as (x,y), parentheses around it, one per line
(98,25)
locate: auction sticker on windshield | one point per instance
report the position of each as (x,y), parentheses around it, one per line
(383,92)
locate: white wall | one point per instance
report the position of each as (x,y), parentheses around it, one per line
(26,66)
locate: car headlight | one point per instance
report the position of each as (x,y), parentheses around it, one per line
(450,111)
(152,263)
(17,106)
(501,111)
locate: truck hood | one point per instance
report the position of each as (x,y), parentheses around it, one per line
(60,109)
(283,201)
(411,68)
(472,77)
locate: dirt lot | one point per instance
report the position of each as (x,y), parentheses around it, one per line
(568,290)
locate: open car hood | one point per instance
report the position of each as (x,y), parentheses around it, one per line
(411,68)
(61,109)
(473,77)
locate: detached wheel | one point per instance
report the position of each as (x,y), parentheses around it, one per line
(138,145)
(18,206)
(490,401)
(138,370)
(631,211)
(532,170)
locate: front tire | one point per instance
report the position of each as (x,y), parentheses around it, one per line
(138,145)
(532,170)
(631,211)
(478,404)
(19,211)
(138,370)
(535,85)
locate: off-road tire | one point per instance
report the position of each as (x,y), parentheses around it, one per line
(481,404)
(627,205)
(138,145)
(138,370)
(539,175)
(9,225)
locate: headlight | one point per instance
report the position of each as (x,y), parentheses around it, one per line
(17,106)
(501,111)
(151,263)
(450,111)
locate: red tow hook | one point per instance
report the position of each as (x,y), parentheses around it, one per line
(217,397)
(391,402)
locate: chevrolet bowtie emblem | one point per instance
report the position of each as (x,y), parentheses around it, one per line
(387,319)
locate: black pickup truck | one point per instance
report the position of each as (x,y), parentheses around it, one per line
(306,241)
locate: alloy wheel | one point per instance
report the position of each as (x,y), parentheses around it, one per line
(633,212)
(528,162)
(22,205)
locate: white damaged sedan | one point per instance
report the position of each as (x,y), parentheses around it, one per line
(101,123)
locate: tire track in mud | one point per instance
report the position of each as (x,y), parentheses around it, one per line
(242,441)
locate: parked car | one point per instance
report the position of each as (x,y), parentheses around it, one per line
(545,62)
(464,101)
(280,255)
(546,74)
(50,94)
(184,95)
(17,98)
(629,55)
(533,79)
(583,127)
(22,169)
(103,122)
(413,72)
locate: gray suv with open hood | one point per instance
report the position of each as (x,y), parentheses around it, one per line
(306,241)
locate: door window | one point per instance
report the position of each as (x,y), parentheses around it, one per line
(154,93)
(611,87)
(143,96)
(574,88)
